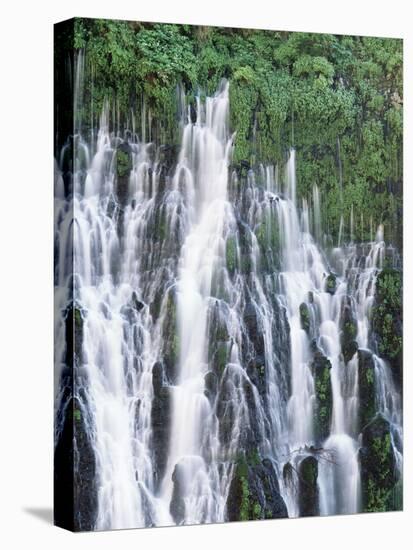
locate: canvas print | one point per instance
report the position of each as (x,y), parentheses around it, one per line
(228,274)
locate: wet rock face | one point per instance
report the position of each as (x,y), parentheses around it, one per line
(367,394)
(388,320)
(218,337)
(160,420)
(177,504)
(379,474)
(85,481)
(308,488)
(171,343)
(63,472)
(75,491)
(228,410)
(348,326)
(256,373)
(254,491)
(305,317)
(331,283)
(74,336)
(122,170)
(253,328)
(321,367)
(167,156)
(231,254)
(211,385)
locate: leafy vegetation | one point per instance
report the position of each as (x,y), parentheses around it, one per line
(378,464)
(387,318)
(336,99)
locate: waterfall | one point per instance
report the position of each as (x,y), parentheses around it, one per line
(203,173)
(212,328)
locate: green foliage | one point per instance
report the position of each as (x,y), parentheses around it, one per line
(309,472)
(305,317)
(378,491)
(387,313)
(123,163)
(244,508)
(367,391)
(323,396)
(370,376)
(337,99)
(389,289)
(249,507)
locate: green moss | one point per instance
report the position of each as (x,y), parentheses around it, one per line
(220,358)
(256,511)
(308,488)
(309,472)
(78,318)
(396,497)
(248,507)
(370,377)
(171,340)
(267,234)
(367,391)
(378,467)
(350,329)
(387,317)
(175,347)
(231,253)
(253,458)
(323,396)
(331,283)
(244,508)
(123,163)
(305,317)
(378,491)
(377,498)
(77,415)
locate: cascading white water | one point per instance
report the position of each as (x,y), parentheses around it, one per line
(240,264)
(203,171)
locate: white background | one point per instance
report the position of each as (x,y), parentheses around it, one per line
(26,370)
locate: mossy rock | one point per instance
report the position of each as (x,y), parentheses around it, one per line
(323,408)
(122,170)
(387,320)
(348,334)
(253,327)
(74,336)
(160,422)
(177,506)
(217,322)
(367,393)
(307,487)
(211,385)
(305,319)
(220,357)
(331,283)
(267,234)
(171,341)
(231,254)
(84,476)
(379,474)
(257,373)
(254,491)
